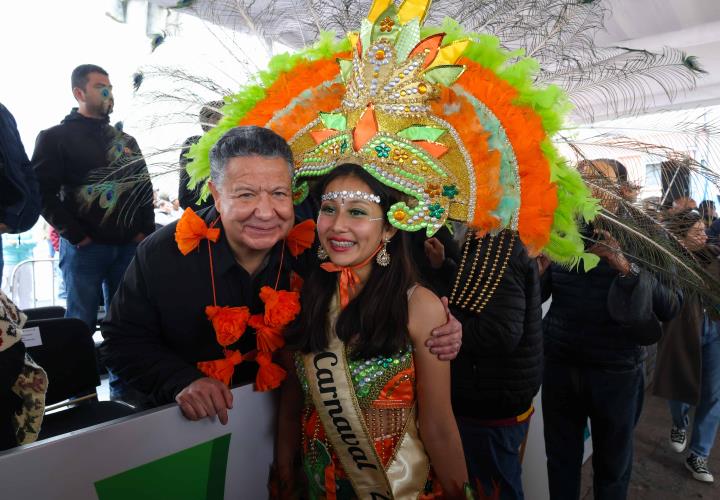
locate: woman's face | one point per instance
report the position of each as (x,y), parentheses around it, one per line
(350,226)
(695,238)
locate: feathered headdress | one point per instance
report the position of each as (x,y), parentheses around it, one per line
(439,114)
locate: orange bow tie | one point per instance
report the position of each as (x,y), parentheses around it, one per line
(191,229)
(348,277)
(301,237)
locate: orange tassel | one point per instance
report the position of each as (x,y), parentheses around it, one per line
(191,229)
(270,375)
(221,369)
(269,339)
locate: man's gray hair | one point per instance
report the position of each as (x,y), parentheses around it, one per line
(247,141)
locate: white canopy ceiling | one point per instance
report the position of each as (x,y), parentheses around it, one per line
(689,25)
(692,26)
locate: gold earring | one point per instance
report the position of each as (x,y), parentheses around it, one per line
(383,257)
(321,253)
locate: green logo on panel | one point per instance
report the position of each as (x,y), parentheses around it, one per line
(197,473)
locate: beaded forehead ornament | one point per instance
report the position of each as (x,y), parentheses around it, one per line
(444,116)
(350,195)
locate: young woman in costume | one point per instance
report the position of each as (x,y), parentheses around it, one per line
(375,403)
(455,124)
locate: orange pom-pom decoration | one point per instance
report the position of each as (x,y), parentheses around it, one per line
(229,322)
(281,307)
(269,339)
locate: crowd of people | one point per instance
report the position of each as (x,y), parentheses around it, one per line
(445,385)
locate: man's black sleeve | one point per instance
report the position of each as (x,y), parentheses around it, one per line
(135,348)
(634,299)
(48,164)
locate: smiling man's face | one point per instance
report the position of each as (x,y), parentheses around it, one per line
(254,200)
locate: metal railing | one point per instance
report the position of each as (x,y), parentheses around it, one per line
(33,292)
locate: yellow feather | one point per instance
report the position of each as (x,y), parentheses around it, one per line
(378,7)
(353,37)
(410,9)
(449,55)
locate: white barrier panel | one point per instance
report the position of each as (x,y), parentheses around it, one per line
(154,455)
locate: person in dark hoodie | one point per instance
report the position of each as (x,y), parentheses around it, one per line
(95,191)
(495,294)
(19,197)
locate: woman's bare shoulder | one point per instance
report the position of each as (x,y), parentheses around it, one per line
(425,312)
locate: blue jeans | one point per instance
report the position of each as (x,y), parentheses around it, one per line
(92,274)
(612,399)
(707,413)
(492,456)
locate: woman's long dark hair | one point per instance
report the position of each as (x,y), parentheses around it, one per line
(375,322)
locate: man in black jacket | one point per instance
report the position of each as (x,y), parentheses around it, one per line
(593,334)
(496,297)
(157,331)
(95,191)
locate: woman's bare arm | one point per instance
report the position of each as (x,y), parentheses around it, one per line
(436,422)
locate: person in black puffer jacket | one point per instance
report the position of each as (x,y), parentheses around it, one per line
(496,297)
(593,333)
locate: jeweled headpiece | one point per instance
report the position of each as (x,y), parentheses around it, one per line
(439,114)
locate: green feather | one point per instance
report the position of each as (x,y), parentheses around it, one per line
(346,68)
(444,75)
(335,121)
(408,38)
(422,133)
